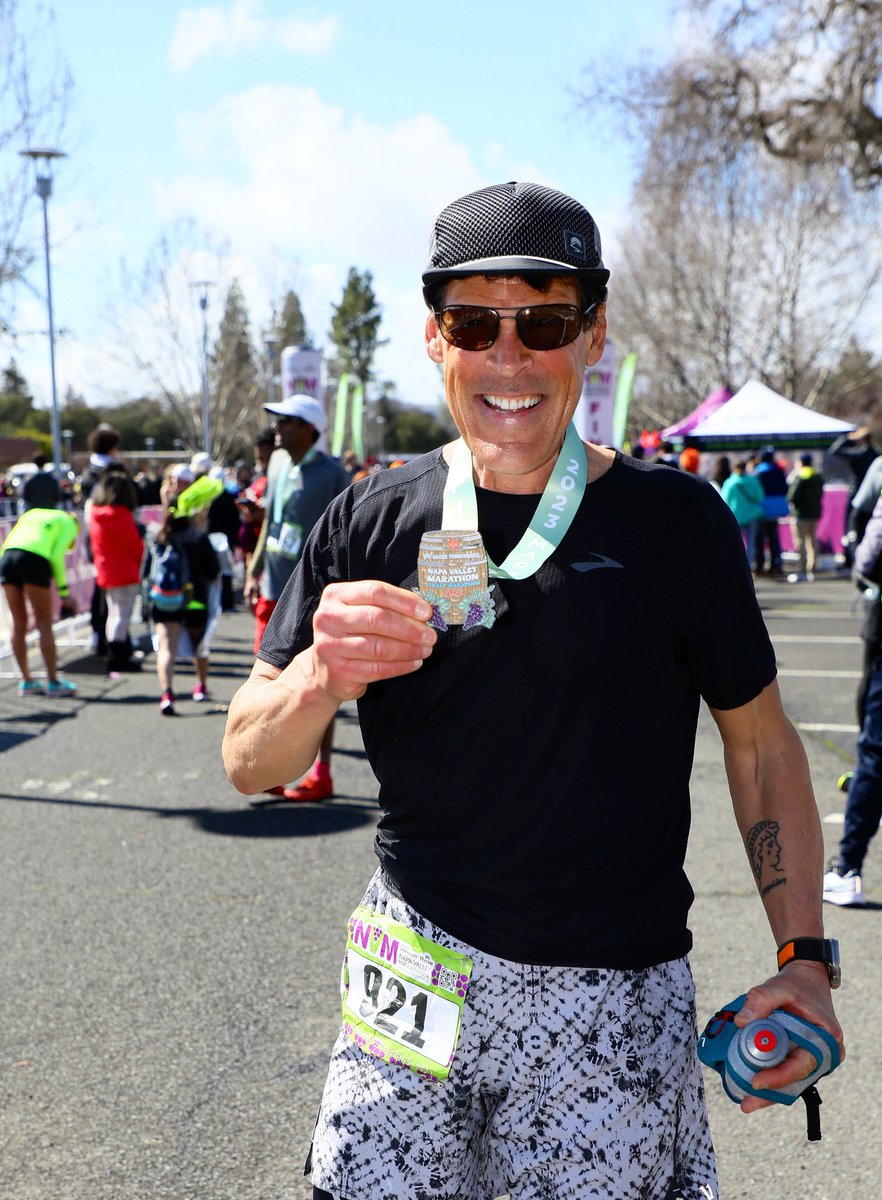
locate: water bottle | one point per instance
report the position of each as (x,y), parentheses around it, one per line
(762,1044)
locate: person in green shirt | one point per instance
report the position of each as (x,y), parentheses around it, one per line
(32,555)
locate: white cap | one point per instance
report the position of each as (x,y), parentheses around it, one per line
(182,473)
(201,463)
(307,408)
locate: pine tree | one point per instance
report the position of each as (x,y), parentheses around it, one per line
(355,327)
(233,376)
(289,326)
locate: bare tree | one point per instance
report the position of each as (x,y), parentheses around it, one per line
(738,262)
(35,89)
(802,79)
(158,330)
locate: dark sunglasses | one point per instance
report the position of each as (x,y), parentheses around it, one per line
(540,327)
(289,421)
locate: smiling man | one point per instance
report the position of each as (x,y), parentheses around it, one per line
(518,1011)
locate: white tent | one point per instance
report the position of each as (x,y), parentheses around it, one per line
(756,416)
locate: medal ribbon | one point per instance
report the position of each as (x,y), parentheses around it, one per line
(285,486)
(554,513)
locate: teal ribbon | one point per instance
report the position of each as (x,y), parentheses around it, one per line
(554,513)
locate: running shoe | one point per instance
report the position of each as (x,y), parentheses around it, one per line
(167,705)
(60,687)
(199,693)
(30,687)
(844,888)
(311,790)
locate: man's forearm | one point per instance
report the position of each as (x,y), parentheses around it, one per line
(255,565)
(275,726)
(778,819)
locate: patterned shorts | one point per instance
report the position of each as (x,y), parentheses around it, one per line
(567,1082)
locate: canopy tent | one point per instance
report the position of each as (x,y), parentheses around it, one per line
(756,416)
(685,425)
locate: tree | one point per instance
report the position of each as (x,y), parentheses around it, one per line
(852,389)
(355,327)
(158,328)
(233,375)
(288,327)
(801,79)
(736,262)
(35,89)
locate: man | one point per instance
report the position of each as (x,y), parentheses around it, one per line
(774,485)
(518,1007)
(857,450)
(41,490)
(843,882)
(805,495)
(301,483)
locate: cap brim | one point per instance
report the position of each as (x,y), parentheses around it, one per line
(512,264)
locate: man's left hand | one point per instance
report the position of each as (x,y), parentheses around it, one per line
(802,988)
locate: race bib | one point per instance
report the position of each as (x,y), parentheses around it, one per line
(402,994)
(285,539)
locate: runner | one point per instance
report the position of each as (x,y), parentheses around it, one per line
(301,483)
(518,1010)
(30,557)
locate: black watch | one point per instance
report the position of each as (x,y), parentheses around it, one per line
(824,950)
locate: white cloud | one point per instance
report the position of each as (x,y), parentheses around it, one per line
(286,176)
(201,32)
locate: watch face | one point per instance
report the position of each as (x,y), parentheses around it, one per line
(833,964)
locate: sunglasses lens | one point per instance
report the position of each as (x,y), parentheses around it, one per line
(469,328)
(542,327)
(549,326)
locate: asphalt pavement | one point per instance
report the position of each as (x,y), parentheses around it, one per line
(170,954)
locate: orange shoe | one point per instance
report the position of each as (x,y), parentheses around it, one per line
(312,789)
(278,790)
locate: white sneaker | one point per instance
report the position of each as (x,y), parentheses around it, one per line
(845,889)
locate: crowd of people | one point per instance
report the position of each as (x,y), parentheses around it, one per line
(172,543)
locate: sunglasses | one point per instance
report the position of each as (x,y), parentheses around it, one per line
(540,327)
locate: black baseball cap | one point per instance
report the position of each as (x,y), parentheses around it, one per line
(514,227)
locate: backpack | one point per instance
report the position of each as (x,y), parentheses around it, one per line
(169,581)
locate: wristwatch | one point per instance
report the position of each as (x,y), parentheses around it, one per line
(824,950)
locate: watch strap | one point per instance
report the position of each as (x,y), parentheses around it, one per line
(822,950)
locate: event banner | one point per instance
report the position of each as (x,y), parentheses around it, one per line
(301,372)
(594,415)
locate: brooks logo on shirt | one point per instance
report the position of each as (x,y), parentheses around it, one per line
(596,562)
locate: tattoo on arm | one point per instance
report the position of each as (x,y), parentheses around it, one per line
(764,853)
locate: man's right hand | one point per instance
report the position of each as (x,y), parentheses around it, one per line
(251,591)
(366,631)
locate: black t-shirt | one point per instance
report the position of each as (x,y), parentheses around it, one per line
(534,777)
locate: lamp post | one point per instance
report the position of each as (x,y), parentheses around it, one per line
(42,159)
(270,344)
(204,285)
(68,435)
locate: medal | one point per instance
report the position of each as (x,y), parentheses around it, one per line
(454,579)
(454,570)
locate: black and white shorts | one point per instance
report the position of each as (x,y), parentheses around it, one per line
(566,1082)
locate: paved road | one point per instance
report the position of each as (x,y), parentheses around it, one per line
(170,955)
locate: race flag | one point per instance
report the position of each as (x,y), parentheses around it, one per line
(358,420)
(340,416)
(624,383)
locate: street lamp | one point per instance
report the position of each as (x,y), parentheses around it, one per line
(43,159)
(204,284)
(270,344)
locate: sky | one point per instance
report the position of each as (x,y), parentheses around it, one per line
(309,139)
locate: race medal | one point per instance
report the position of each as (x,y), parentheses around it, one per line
(402,995)
(454,578)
